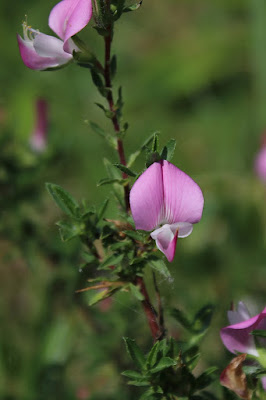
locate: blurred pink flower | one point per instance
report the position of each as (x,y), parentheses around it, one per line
(38,139)
(260,164)
(39,51)
(237,336)
(164,198)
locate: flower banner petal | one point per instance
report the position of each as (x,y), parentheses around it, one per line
(69,17)
(146,198)
(183,198)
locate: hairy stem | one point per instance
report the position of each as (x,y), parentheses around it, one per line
(150,312)
(116,125)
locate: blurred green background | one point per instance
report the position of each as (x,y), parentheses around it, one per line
(196,71)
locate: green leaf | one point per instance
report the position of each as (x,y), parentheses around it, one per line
(134,235)
(181,318)
(64,200)
(98,82)
(119,104)
(133,375)
(164,363)
(113,173)
(111,140)
(102,209)
(155,142)
(89,258)
(202,319)
(259,333)
(101,295)
(168,150)
(136,292)
(69,230)
(134,156)
(109,114)
(206,378)
(133,7)
(108,181)
(161,267)
(135,353)
(139,383)
(114,259)
(123,168)
(152,356)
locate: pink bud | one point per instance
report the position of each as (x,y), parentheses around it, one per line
(38,140)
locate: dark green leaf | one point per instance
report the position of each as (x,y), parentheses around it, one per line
(136,292)
(181,318)
(114,259)
(206,378)
(202,319)
(64,200)
(135,353)
(134,235)
(108,181)
(69,230)
(98,82)
(134,156)
(155,142)
(259,333)
(152,356)
(161,267)
(168,150)
(139,383)
(102,209)
(165,362)
(123,168)
(133,375)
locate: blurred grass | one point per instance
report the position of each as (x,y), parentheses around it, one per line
(195,70)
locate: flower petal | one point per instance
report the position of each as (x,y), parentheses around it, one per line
(240,315)
(50,46)
(166,238)
(260,164)
(69,17)
(237,337)
(146,198)
(183,198)
(184,229)
(31,58)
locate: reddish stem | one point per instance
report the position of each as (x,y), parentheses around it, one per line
(108,85)
(149,311)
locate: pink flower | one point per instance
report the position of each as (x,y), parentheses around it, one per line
(260,164)
(39,51)
(38,138)
(237,336)
(164,198)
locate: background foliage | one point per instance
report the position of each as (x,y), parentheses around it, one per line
(195,71)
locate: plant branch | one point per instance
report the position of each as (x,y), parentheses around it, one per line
(150,312)
(160,306)
(109,97)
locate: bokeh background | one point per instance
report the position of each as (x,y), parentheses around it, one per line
(196,71)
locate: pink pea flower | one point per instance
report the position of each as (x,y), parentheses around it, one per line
(38,140)
(166,201)
(39,51)
(237,336)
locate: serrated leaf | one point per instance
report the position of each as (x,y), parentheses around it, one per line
(126,170)
(135,353)
(206,378)
(152,356)
(64,200)
(165,362)
(161,267)
(168,150)
(114,259)
(136,292)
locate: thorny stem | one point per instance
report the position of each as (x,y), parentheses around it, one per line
(150,312)
(108,85)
